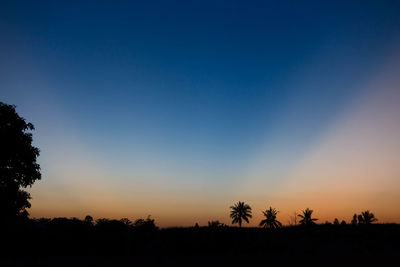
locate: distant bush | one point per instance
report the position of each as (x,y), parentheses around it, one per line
(215,224)
(145,224)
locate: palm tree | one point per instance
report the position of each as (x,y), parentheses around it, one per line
(240,211)
(367,217)
(306,217)
(270,220)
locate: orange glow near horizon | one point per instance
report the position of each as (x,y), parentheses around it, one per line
(352,167)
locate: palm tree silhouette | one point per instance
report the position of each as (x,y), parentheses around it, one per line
(240,211)
(306,217)
(367,217)
(270,220)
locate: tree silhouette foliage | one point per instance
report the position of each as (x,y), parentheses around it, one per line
(354,220)
(145,224)
(240,212)
(366,217)
(306,217)
(215,224)
(88,220)
(270,220)
(18,166)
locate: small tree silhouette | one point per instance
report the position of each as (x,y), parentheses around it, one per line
(88,220)
(354,220)
(239,212)
(360,219)
(367,217)
(306,217)
(215,224)
(126,221)
(270,220)
(148,224)
(336,221)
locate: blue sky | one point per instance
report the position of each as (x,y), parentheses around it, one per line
(193,89)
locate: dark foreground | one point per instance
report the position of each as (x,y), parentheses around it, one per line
(83,245)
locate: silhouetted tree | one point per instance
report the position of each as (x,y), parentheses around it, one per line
(18,167)
(354,220)
(360,219)
(88,220)
(336,221)
(102,221)
(111,225)
(367,217)
(215,224)
(306,217)
(343,222)
(270,220)
(148,224)
(126,221)
(239,212)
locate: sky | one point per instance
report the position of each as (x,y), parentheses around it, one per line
(178,109)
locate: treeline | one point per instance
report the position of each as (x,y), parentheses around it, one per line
(242,212)
(103,242)
(149,224)
(103,223)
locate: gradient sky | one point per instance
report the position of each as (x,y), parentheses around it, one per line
(178,109)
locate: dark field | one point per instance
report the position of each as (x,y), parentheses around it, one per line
(66,243)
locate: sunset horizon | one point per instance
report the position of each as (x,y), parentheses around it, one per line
(180,110)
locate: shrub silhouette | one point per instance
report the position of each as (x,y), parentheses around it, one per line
(360,219)
(145,224)
(240,212)
(126,221)
(306,217)
(270,220)
(101,221)
(215,224)
(366,217)
(88,220)
(18,166)
(354,221)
